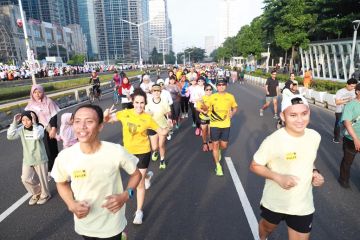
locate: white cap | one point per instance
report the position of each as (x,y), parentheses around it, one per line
(160,80)
(296,82)
(293,100)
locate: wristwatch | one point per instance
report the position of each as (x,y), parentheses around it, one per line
(130,193)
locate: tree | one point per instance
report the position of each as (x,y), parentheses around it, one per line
(155,57)
(196,54)
(76,60)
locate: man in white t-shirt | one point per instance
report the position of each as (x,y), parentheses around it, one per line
(342,97)
(88,179)
(289,171)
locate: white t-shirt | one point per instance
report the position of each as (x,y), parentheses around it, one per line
(94,177)
(158,111)
(343,93)
(126,92)
(165,94)
(285,154)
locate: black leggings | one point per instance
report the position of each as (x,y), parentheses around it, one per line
(195,115)
(116,237)
(51,148)
(184,104)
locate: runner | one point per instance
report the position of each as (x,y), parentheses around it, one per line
(146,85)
(272,92)
(135,124)
(221,108)
(184,102)
(204,118)
(174,90)
(125,91)
(160,111)
(289,171)
(88,179)
(196,92)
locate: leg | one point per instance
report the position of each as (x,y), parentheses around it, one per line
(294,235)
(265,106)
(215,151)
(161,143)
(30,180)
(193,112)
(349,155)
(41,171)
(154,140)
(140,190)
(337,127)
(275,105)
(265,229)
(51,148)
(223,145)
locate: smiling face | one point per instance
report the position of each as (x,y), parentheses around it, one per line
(86,125)
(296,118)
(139,104)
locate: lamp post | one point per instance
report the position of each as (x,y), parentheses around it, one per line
(138,25)
(189,56)
(268,58)
(29,53)
(356,26)
(163,47)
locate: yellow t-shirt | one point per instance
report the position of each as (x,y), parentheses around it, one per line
(178,74)
(135,128)
(94,177)
(205,99)
(219,108)
(158,111)
(285,154)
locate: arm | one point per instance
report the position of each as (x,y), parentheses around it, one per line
(350,129)
(13,131)
(80,209)
(284,181)
(266,90)
(38,132)
(110,115)
(317,179)
(115,202)
(233,111)
(53,125)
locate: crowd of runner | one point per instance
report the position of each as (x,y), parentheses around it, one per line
(85,174)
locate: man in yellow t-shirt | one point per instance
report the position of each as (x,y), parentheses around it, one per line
(286,160)
(221,107)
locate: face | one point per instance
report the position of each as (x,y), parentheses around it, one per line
(201,82)
(208,91)
(26,122)
(125,80)
(221,87)
(37,95)
(139,104)
(350,87)
(296,118)
(86,125)
(273,75)
(172,81)
(156,93)
(193,82)
(292,77)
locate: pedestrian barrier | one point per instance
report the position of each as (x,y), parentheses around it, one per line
(322,99)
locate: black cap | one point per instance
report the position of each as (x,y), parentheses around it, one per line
(221,80)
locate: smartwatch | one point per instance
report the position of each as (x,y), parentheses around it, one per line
(130,193)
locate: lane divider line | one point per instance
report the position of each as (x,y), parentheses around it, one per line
(249,213)
(13,207)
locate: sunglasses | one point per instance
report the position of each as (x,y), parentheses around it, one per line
(297,100)
(156,91)
(209,89)
(221,84)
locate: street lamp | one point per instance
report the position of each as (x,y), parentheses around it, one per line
(29,53)
(138,28)
(163,46)
(356,26)
(268,58)
(189,56)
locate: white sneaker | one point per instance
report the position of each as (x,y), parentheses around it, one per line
(261,112)
(138,217)
(148,177)
(186,115)
(168,137)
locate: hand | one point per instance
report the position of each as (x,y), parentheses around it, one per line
(115,202)
(230,114)
(108,112)
(267,93)
(287,181)
(317,179)
(80,209)
(17,117)
(357,144)
(33,117)
(169,123)
(52,133)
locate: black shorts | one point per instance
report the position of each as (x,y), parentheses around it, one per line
(144,160)
(302,224)
(151,132)
(204,122)
(219,134)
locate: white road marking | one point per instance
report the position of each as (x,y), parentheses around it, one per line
(14,206)
(249,213)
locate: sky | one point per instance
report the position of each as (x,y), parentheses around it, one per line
(192,20)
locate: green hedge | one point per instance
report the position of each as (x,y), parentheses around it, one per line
(17,92)
(317,84)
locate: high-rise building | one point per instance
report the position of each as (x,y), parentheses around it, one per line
(160,26)
(229,19)
(87,23)
(69,13)
(209,44)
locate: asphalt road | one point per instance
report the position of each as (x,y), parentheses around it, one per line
(187,200)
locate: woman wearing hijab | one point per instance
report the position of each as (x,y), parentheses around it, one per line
(46,110)
(125,91)
(66,133)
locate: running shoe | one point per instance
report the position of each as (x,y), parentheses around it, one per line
(155,156)
(33,200)
(43,200)
(261,112)
(218,170)
(162,164)
(335,140)
(197,132)
(193,125)
(276,116)
(148,177)
(186,115)
(219,154)
(138,217)
(168,137)
(177,126)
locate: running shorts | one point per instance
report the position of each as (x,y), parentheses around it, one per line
(219,134)
(144,160)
